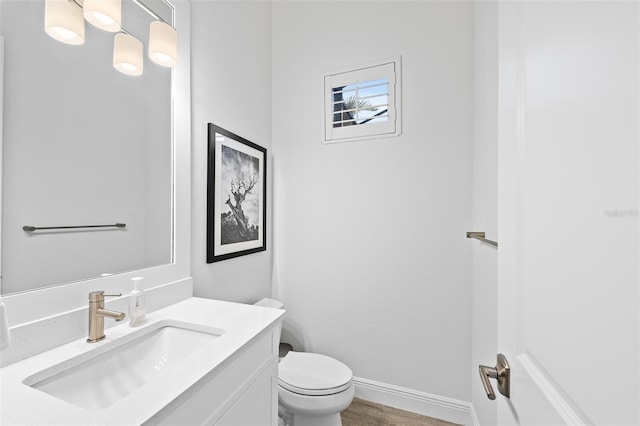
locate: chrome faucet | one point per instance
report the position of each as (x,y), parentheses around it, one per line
(97,314)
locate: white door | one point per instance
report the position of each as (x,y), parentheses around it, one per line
(568,268)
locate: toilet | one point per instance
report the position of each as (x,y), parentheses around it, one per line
(312,388)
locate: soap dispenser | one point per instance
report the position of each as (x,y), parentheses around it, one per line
(137,310)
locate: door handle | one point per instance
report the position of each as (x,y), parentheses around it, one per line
(501,372)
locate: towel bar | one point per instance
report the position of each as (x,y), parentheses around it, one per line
(29,228)
(481,236)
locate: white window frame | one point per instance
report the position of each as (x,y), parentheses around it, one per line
(389,69)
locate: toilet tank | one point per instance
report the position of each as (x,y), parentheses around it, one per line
(269,303)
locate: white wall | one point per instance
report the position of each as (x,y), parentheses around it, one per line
(231,87)
(372,262)
(485,203)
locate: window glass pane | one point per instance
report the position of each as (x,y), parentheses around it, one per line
(361,103)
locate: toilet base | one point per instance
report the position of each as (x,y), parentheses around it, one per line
(304,410)
(302,420)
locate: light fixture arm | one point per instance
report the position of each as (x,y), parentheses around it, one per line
(80,4)
(151,12)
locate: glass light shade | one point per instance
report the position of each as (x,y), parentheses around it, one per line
(163,44)
(127,54)
(104,14)
(63,21)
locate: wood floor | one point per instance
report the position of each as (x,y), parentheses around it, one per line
(366,413)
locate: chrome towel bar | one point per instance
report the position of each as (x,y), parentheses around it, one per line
(29,228)
(481,236)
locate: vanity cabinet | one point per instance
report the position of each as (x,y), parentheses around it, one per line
(230,379)
(243,390)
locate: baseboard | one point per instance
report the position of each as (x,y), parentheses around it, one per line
(474,421)
(439,407)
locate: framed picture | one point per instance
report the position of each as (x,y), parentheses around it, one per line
(236,196)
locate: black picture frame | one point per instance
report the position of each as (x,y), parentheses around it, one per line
(236,196)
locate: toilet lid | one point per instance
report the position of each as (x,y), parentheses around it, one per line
(313,374)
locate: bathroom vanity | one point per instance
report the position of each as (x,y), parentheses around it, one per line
(212,362)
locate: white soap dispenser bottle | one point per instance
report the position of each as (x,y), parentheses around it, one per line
(137,309)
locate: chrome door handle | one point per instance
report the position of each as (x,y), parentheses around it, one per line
(501,372)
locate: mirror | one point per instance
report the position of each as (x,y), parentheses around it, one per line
(82,144)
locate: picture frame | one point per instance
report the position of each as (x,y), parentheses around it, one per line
(236,196)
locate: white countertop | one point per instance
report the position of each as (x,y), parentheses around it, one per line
(23,405)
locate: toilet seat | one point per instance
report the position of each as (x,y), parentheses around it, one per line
(312,374)
(314,392)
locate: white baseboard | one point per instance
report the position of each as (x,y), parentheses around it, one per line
(439,407)
(475,421)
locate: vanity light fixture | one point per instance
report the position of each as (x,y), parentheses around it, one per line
(104,14)
(127,54)
(64,22)
(163,44)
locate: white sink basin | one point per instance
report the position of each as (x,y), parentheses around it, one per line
(100,377)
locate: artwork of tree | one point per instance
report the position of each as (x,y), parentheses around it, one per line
(240,173)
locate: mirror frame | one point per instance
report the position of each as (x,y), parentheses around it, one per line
(42,303)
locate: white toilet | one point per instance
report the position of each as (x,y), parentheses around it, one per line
(312,389)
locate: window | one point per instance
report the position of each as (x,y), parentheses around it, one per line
(363,103)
